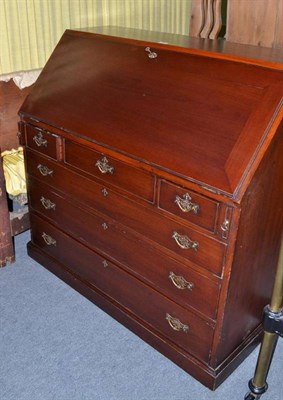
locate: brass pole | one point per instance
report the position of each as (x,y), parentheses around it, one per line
(276,303)
(258,384)
(267,349)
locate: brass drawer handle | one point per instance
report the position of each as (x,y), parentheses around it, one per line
(47,204)
(45,171)
(176,324)
(104,167)
(185,242)
(48,239)
(180,282)
(186,205)
(39,140)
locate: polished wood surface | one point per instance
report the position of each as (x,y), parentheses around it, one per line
(124,289)
(120,174)
(236,89)
(43,141)
(142,259)
(225,50)
(200,211)
(257,248)
(142,218)
(165,184)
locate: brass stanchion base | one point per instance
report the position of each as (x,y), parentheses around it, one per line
(255,391)
(273,328)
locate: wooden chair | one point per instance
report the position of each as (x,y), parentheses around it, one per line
(7,253)
(254,22)
(11,223)
(206,18)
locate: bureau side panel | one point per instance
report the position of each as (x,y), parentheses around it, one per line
(256,254)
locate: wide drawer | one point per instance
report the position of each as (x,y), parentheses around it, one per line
(181,283)
(45,142)
(198,248)
(180,326)
(188,205)
(110,170)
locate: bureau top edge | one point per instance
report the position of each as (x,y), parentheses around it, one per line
(220,48)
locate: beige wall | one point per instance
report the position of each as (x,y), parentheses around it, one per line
(30,29)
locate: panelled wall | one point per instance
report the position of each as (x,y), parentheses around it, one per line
(255,22)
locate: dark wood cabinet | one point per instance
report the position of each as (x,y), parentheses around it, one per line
(155,179)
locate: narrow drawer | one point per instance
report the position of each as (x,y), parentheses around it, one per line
(110,170)
(180,326)
(183,284)
(201,250)
(45,142)
(188,205)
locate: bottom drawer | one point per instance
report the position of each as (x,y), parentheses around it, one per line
(180,326)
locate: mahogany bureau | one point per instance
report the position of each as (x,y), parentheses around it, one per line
(155,180)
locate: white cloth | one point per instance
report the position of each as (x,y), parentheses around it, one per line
(22,79)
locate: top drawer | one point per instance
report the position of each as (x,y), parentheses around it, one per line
(188,205)
(110,170)
(45,142)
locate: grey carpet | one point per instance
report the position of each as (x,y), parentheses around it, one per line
(57,345)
